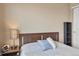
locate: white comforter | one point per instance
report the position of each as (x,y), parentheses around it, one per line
(33,49)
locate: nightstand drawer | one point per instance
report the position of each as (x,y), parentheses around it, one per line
(10,53)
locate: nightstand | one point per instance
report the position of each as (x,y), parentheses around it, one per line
(11,52)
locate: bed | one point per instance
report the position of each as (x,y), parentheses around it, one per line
(30,46)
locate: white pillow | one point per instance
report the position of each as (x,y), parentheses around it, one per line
(51,41)
(44,44)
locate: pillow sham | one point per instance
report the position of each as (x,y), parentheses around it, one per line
(51,41)
(44,44)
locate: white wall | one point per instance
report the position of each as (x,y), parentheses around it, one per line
(2,26)
(31,18)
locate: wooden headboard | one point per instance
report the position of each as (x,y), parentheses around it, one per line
(33,37)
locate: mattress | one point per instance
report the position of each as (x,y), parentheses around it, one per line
(33,49)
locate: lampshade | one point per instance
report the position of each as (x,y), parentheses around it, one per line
(13,33)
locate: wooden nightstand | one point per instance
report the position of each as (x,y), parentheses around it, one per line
(11,52)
